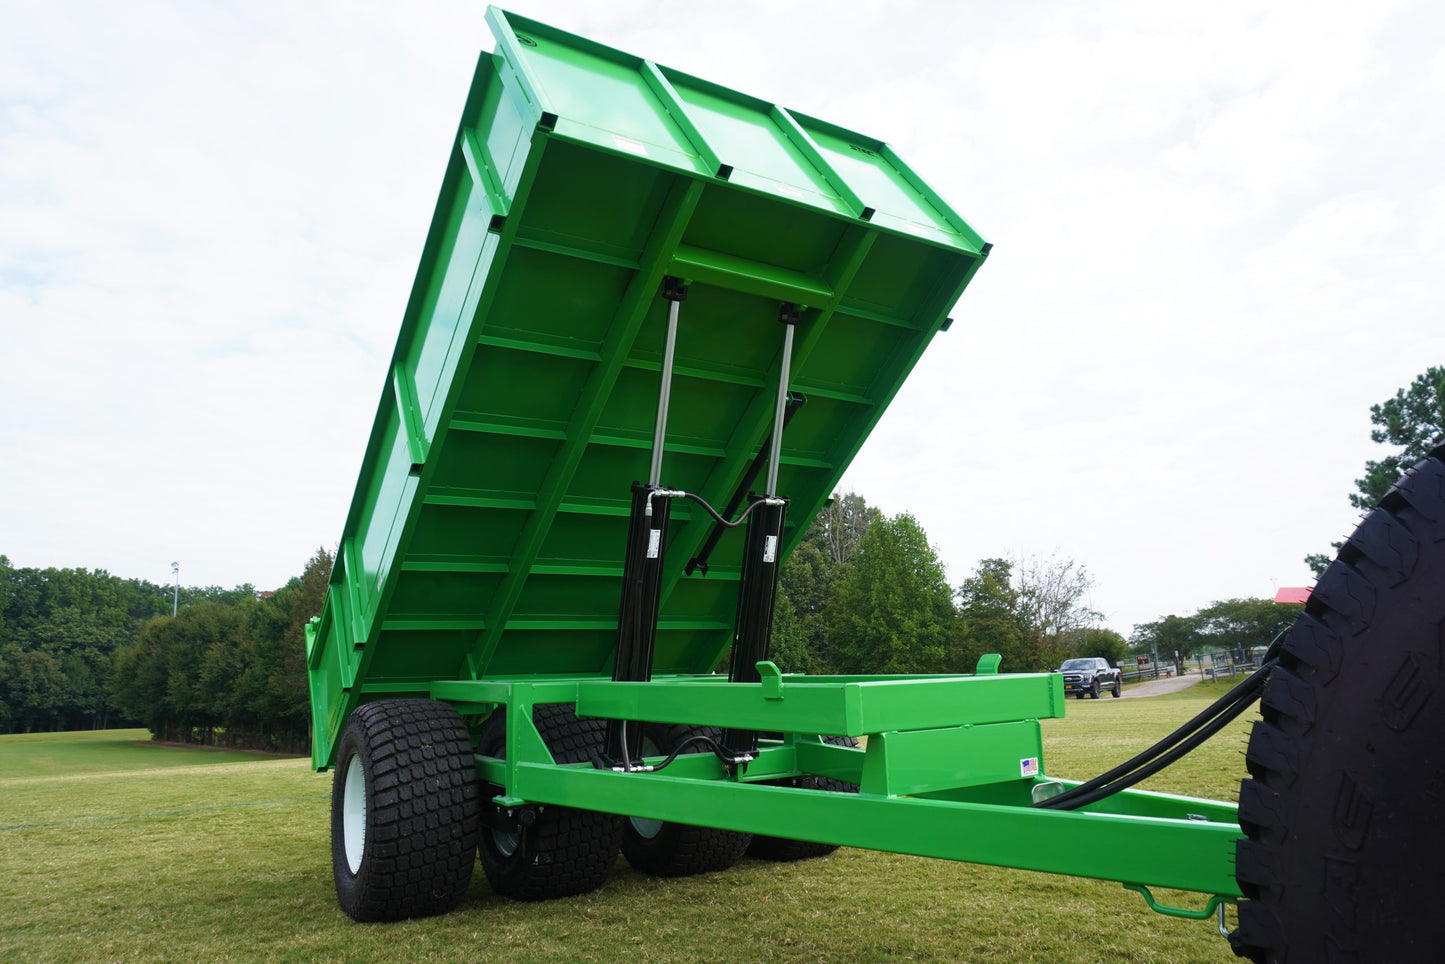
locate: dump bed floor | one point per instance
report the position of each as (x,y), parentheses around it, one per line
(486,535)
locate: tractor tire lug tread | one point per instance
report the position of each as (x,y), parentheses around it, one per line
(786,850)
(566,851)
(1343,855)
(679,849)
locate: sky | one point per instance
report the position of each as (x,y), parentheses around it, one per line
(1214,226)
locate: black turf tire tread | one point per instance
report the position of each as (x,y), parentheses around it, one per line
(680,849)
(423,811)
(1343,858)
(567,851)
(785,850)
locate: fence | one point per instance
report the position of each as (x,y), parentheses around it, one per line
(1222,664)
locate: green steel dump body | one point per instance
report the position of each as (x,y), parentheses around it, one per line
(486,534)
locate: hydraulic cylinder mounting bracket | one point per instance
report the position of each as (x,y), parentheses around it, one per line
(674,289)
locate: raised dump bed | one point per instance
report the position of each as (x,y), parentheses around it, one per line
(485,537)
(649,308)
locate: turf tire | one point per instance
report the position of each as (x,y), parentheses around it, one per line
(406,777)
(785,849)
(1343,857)
(566,851)
(666,849)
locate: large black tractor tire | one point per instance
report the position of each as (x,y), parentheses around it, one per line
(405,811)
(565,851)
(1344,854)
(665,849)
(785,849)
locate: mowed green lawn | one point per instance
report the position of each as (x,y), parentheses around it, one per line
(110,850)
(104,751)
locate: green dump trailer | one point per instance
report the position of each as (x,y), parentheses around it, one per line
(651,311)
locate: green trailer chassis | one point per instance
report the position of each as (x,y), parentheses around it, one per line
(948,771)
(951,768)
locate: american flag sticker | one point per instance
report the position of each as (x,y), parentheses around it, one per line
(1029,766)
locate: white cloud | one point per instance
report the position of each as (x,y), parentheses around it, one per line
(209,219)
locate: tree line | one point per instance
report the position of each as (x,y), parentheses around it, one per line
(83,649)
(1410,423)
(861,593)
(59,632)
(867,593)
(1236,627)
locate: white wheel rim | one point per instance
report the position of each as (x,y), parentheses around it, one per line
(353,814)
(506,843)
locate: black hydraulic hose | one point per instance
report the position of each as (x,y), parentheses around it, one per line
(1176,744)
(1244,692)
(721,752)
(1227,716)
(676,493)
(728,758)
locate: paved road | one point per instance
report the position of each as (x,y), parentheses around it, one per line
(1157,687)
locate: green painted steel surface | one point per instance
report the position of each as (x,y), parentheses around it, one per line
(485,536)
(823,704)
(918,761)
(1179,853)
(958,793)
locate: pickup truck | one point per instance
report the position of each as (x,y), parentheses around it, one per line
(1091,674)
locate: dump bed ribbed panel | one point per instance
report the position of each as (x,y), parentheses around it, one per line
(487,531)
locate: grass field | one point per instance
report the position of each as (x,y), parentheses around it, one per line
(110,850)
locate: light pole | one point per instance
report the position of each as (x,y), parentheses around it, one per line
(176,599)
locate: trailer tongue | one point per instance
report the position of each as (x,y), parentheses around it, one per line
(651,310)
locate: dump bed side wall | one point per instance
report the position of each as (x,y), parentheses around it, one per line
(485,536)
